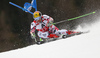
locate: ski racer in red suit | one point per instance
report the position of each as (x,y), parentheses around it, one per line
(43,23)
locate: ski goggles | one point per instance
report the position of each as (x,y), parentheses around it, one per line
(37,18)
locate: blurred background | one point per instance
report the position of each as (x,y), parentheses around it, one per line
(15,23)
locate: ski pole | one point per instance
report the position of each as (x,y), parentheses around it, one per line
(74,18)
(20,7)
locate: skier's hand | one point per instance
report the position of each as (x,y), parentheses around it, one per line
(33,35)
(50,22)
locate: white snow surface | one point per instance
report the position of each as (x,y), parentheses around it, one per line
(80,46)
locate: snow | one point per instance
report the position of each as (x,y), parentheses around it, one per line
(81,46)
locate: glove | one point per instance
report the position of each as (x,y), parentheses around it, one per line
(50,22)
(33,35)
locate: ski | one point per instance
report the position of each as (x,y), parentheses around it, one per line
(63,37)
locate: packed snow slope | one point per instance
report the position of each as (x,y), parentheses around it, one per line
(81,46)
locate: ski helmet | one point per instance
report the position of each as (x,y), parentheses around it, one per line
(37,15)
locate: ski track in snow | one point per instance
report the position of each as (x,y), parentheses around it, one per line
(80,46)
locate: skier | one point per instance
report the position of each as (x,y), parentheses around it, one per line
(44,25)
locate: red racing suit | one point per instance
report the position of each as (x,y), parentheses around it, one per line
(43,26)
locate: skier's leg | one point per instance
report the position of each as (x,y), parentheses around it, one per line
(61,32)
(43,34)
(64,32)
(52,30)
(71,32)
(42,37)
